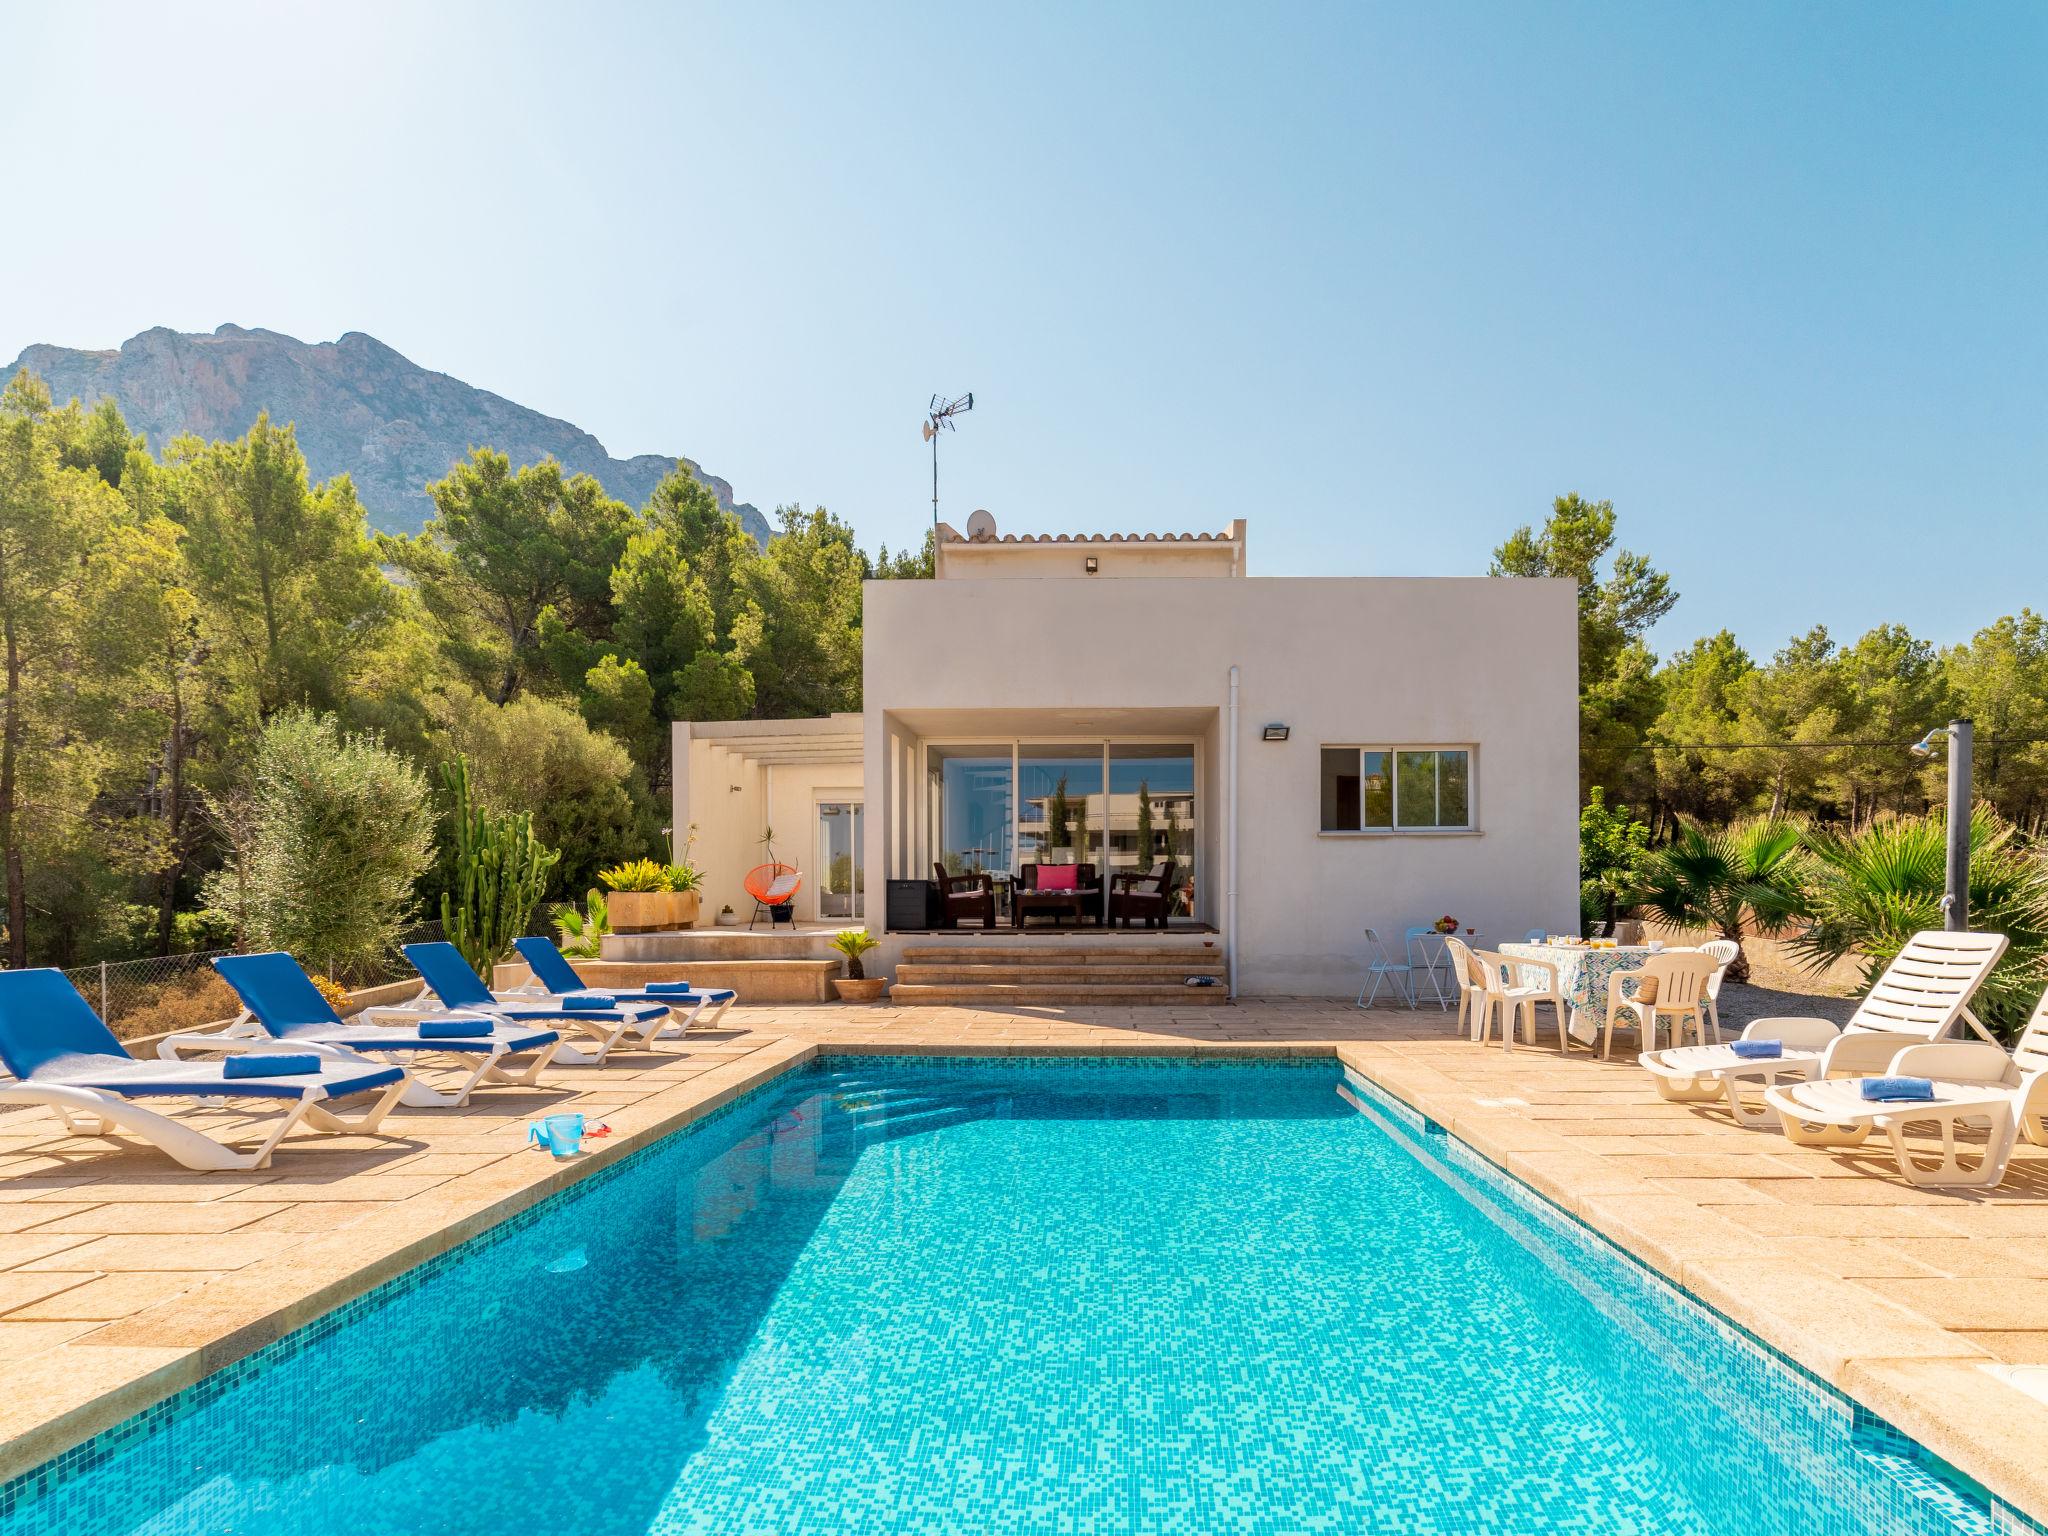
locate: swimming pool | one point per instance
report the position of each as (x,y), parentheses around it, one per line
(894,1296)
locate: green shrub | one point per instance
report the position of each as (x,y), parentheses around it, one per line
(581,787)
(1752,874)
(334,834)
(582,933)
(1873,889)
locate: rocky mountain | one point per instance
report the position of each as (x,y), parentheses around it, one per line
(359,407)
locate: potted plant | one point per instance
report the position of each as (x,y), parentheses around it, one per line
(639,899)
(856,986)
(685,883)
(727,918)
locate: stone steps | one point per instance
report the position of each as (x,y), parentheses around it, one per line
(1104,974)
(1026,952)
(1029,971)
(1055,994)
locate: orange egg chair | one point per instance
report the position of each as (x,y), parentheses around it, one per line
(771,885)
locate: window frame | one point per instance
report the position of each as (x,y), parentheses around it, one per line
(1394,751)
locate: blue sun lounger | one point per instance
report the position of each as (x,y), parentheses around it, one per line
(552,971)
(284,1011)
(63,1056)
(605,1022)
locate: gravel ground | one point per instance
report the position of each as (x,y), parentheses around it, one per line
(1741,1002)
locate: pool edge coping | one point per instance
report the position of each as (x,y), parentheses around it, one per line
(2019,1481)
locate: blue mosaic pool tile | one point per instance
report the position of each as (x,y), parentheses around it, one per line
(910,1295)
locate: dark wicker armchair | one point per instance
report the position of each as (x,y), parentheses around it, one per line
(1149,895)
(965,896)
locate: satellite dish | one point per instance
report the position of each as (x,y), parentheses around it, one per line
(981,524)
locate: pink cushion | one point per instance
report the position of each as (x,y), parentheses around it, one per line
(1059,877)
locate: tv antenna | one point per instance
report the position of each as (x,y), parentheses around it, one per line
(937,419)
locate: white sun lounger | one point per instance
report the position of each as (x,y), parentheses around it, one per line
(1924,991)
(62,1056)
(1701,1074)
(284,1011)
(1974,1084)
(605,1022)
(555,977)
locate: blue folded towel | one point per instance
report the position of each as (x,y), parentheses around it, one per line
(584,1002)
(269,1064)
(454,1029)
(1758,1050)
(1910,1089)
(667,986)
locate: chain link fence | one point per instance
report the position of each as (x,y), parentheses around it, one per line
(158,993)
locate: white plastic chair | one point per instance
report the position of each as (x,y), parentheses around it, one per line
(1724,952)
(1380,967)
(1671,988)
(1471,980)
(1514,1001)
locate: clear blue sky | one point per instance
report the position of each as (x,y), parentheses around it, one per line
(1382,279)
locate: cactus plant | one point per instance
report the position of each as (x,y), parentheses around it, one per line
(500,873)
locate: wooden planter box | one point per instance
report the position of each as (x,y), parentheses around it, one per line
(684,909)
(639,911)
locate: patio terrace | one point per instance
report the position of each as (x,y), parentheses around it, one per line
(123,1279)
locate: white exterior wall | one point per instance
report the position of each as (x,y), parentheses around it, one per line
(1121,557)
(730,821)
(1481,662)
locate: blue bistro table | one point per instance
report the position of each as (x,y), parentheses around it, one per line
(1582,975)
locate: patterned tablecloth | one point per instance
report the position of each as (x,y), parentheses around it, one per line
(1582,977)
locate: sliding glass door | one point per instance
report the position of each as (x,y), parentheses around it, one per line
(1059,804)
(1118,805)
(973,814)
(839,859)
(1152,814)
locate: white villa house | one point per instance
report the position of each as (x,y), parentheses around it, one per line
(1313,755)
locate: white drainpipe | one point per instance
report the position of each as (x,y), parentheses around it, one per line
(1230,851)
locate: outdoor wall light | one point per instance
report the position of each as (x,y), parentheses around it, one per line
(1273,733)
(1092,565)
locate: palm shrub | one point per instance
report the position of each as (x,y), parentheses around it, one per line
(853,943)
(1875,888)
(501,871)
(326,845)
(1752,874)
(582,933)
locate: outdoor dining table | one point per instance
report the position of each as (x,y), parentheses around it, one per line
(1582,974)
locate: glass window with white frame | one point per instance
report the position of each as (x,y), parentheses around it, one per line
(1396,789)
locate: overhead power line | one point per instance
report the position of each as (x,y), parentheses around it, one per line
(1814,746)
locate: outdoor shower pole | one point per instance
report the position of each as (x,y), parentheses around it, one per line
(1957,902)
(1230,852)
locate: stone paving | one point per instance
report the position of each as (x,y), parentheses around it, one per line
(123,1278)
